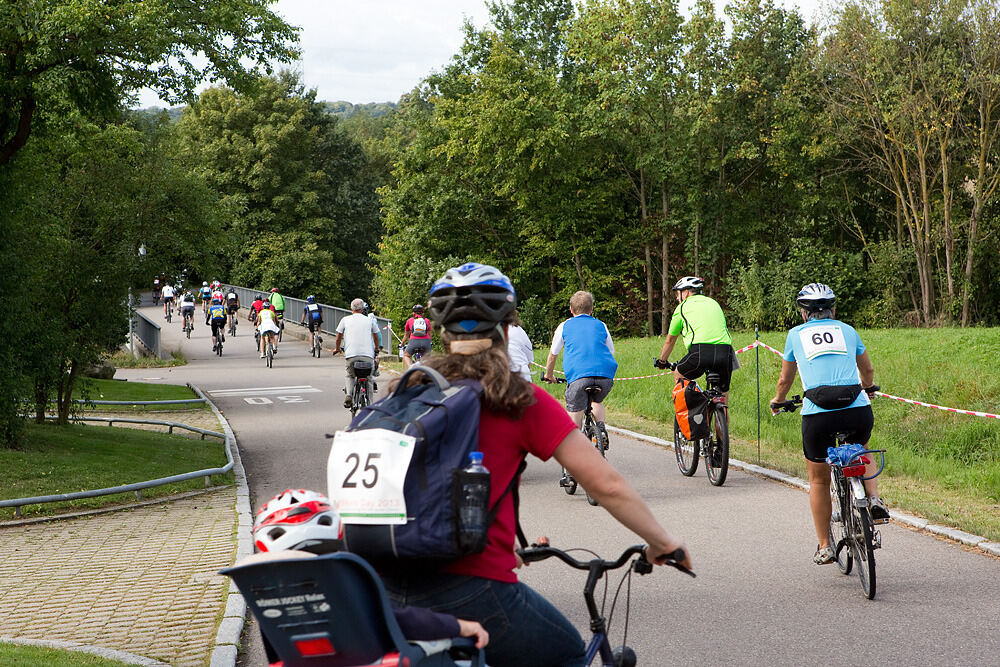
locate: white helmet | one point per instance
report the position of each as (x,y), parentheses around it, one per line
(816,296)
(204,283)
(298,519)
(689,282)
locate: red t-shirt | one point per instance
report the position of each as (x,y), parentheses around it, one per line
(503,443)
(409,329)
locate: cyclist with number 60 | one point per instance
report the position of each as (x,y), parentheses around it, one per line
(837,377)
(473,305)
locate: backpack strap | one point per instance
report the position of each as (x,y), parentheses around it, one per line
(435,377)
(513,491)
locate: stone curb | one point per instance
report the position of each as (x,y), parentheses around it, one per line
(992,548)
(107,653)
(227,639)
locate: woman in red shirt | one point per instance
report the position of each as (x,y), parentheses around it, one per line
(473,304)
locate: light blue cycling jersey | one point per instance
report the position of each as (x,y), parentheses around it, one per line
(826,352)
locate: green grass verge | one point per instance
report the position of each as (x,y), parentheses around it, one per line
(65,459)
(125,359)
(940,465)
(15,655)
(117,390)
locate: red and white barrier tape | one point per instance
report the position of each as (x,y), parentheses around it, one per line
(974,413)
(938,407)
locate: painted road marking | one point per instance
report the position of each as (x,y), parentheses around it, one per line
(295,386)
(264,391)
(264,400)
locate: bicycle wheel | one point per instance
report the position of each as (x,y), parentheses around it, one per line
(864,550)
(218,348)
(838,527)
(319,345)
(686,452)
(270,355)
(281,329)
(594,435)
(355,398)
(717,447)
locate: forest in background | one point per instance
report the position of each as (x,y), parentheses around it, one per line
(608,145)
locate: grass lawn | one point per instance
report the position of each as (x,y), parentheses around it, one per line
(940,465)
(124,359)
(118,390)
(65,459)
(15,655)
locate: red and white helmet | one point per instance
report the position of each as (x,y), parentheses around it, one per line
(298,519)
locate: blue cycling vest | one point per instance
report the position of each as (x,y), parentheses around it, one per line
(585,352)
(216,312)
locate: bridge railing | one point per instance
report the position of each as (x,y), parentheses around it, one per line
(147,332)
(332,315)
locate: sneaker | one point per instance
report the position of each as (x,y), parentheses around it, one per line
(262,355)
(878,509)
(374,386)
(824,556)
(347,401)
(215,346)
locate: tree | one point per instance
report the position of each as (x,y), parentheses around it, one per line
(85,54)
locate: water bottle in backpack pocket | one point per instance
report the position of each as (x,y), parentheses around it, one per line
(472,493)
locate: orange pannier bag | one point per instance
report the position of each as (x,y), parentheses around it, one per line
(691,410)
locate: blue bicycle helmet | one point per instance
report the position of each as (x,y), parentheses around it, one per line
(816,296)
(472,298)
(311,299)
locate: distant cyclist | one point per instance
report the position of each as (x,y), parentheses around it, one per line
(416,335)
(255,307)
(187,309)
(167,291)
(519,348)
(700,321)
(359,336)
(216,317)
(232,304)
(588,358)
(205,293)
(278,303)
(267,327)
(312,316)
(157,285)
(837,377)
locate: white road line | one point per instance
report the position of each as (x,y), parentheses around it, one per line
(223,391)
(271,392)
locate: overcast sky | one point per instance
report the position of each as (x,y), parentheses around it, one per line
(377,50)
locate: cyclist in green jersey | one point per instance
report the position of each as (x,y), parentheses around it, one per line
(700,321)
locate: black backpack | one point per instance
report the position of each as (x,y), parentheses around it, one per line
(444,419)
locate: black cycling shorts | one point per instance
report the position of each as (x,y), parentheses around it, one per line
(819,431)
(233,308)
(218,326)
(168,299)
(702,357)
(314,325)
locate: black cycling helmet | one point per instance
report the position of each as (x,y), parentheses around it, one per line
(418,309)
(693,283)
(816,296)
(472,298)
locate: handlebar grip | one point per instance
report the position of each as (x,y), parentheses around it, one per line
(675,558)
(872,389)
(532,555)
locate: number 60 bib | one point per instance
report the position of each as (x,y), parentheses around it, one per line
(365,475)
(822,339)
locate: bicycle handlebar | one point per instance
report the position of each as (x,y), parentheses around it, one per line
(672,365)
(555,381)
(791,405)
(537,552)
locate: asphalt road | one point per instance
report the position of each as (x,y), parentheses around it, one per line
(758,599)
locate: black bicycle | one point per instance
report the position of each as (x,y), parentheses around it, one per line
(233,320)
(715,448)
(362,394)
(595,433)
(599,645)
(852,530)
(188,323)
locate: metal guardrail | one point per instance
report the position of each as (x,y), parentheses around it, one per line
(137,487)
(168,402)
(147,332)
(332,315)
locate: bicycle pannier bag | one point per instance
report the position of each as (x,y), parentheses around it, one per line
(691,410)
(419,326)
(833,397)
(442,419)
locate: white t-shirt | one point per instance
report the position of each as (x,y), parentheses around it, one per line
(358,330)
(168,292)
(520,352)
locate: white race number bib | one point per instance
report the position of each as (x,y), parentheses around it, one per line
(822,339)
(365,475)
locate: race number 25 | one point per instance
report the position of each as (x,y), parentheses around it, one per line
(354,461)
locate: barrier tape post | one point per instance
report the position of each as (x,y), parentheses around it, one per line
(756,350)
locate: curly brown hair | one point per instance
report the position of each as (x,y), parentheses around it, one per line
(504,392)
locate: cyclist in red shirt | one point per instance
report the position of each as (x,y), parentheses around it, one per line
(474,304)
(416,336)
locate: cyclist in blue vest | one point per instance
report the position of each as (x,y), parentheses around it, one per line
(588,358)
(312,316)
(837,377)
(216,316)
